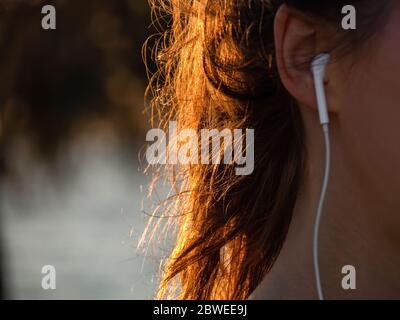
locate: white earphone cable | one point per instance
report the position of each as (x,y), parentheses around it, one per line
(325,129)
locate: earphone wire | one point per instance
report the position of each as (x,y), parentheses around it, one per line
(325,129)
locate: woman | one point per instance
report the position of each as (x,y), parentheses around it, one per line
(246,64)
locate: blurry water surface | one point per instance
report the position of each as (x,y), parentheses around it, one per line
(84,217)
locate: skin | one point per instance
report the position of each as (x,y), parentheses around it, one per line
(361,219)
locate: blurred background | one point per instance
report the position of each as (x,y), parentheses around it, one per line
(72,128)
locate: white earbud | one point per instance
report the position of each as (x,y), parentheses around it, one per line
(318,68)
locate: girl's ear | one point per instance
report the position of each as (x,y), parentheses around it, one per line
(296,43)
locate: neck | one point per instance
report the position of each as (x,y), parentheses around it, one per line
(352,232)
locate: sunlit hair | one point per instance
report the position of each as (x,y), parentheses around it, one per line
(216,69)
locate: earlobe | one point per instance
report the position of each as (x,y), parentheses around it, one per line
(296,45)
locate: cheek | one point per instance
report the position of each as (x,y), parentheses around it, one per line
(370,114)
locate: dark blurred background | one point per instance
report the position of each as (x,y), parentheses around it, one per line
(72,126)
